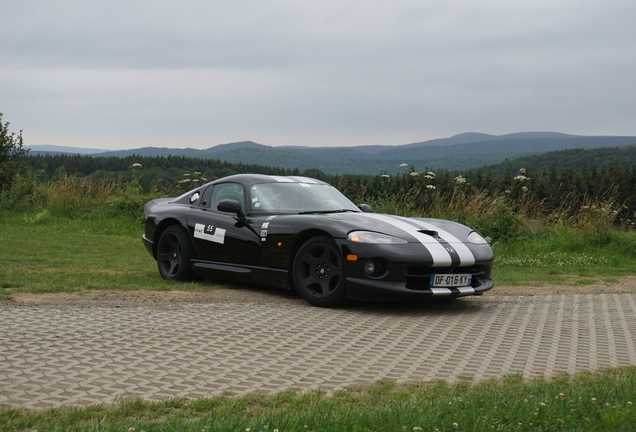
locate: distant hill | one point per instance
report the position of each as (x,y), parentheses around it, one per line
(152,151)
(61,149)
(460,152)
(576,159)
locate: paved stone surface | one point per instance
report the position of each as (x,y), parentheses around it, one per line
(52,356)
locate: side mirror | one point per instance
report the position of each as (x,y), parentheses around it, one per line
(231,206)
(366,208)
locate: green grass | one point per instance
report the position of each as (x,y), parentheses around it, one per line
(601,401)
(43,253)
(565,256)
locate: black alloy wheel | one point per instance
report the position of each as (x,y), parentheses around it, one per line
(173,254)
(318,273)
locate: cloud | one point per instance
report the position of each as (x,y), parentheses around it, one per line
(346,71)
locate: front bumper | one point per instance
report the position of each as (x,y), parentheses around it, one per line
(405,271)
(380,290)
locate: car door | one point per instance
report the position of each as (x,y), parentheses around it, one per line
(219,236)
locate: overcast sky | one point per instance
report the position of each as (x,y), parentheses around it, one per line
(198,73)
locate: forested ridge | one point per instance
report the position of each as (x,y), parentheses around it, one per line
(577,159)
(166,171)
(460,152)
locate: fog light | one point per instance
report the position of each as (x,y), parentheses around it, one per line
(369,267)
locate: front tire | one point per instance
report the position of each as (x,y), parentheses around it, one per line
(318,273)
(173,254)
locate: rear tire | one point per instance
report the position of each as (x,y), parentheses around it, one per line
(173,254)
(318,273)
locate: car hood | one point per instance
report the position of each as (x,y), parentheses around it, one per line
(413,230)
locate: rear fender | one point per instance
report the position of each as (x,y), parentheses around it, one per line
(162,226)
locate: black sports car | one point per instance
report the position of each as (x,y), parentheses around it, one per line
(298,232)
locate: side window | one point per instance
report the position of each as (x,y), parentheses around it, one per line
(227,191)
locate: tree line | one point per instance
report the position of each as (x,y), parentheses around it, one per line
(158,172)
(544,189)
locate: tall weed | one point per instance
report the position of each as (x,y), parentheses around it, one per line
(512,213)
(79,197)
(502,216)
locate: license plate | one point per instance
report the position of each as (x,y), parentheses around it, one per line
(450,280)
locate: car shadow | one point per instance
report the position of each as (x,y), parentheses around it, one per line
(456,306)
(461,305)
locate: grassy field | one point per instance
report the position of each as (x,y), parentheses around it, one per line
(42,253)
(45,253)
(601,401)
(565,256)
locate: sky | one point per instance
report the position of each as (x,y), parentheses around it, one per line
(123,74)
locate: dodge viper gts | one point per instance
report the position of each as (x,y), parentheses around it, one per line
(301,233)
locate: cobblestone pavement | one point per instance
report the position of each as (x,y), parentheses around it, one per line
(52,356)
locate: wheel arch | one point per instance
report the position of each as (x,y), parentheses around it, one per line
(299,240)
(163,225)
(323,292)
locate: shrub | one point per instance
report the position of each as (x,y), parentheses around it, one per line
(12,154)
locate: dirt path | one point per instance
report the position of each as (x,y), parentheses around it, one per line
(244,294)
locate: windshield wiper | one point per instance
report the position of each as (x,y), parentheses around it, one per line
(326,211)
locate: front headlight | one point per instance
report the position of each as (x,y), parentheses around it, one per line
(475,238)
(373,237)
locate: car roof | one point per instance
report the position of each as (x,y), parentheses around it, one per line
(247,180)
(250,179)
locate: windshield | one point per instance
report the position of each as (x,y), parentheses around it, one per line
(298,198)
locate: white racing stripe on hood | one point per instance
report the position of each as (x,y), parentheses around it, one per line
(441,257)
(466,257)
